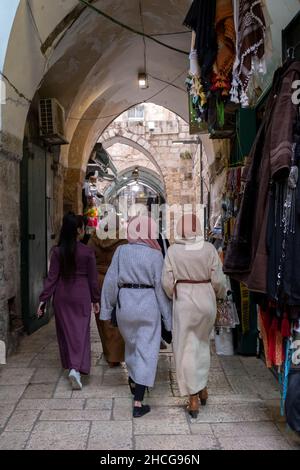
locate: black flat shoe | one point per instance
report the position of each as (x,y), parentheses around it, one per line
(138,412)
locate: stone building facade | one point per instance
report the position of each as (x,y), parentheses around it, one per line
(148,142)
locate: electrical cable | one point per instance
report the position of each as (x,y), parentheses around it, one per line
(170,34)
(144,39)
(145,101)
(19,93)
(165,81)
(132,30)
(145,52)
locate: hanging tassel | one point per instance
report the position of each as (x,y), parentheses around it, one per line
(244,100)
(234,92)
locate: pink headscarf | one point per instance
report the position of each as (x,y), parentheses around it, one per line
(143,229)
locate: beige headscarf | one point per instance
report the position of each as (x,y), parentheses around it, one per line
(189,227)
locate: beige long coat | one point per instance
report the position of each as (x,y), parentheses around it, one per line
(111,339)
(194,311)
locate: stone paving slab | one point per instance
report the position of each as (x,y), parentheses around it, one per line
(46,375)
(47,361)
(5,412)
(244,430)
(59,436)
(254,443)
(13,440)
(149,425)
(242,384)
(122,409)
(51,404)
(112,436)
(98,404)
(75,415)
(203,429)
(39,391)
(22,421)
(232,413)
(15,376)
(20,360)
(102,392)
(179,442)
(11,393)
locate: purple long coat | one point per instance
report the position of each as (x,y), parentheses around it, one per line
(72,307)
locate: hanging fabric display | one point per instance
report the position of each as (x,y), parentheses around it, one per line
(222,70)
(251,26)
(201,19)
(213,46)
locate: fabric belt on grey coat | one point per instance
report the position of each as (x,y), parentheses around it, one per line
(188,281)
(132,286)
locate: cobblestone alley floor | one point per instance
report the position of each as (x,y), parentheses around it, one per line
(39,411)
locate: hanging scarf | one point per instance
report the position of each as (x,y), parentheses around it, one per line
(201,19)
(251,46)
(226,38)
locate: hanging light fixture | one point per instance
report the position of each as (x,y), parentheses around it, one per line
(143,80)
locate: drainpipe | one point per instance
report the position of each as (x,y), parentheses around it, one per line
(201,173)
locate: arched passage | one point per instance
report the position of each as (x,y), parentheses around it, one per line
(146,176)
(127,138)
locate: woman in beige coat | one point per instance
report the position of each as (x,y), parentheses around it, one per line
(193,278)
(112,342)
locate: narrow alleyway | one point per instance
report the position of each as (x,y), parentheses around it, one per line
(38,410)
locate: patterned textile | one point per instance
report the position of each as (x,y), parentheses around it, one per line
(201,19)
(273,332)
(251,46)
(226,38)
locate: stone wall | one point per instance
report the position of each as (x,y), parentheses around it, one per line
(152,138)
(10,303)
(73,183)
(58,197)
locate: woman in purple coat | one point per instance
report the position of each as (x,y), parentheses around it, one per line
(73,283)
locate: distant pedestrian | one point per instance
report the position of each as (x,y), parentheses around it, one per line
(72,281)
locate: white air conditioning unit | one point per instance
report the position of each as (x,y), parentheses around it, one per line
(52,122)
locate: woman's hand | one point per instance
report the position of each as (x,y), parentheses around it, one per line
(96,308)
(41,310)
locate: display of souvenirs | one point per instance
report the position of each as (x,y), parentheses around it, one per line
(230,42)
(92,215)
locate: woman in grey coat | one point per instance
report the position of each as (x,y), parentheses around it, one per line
(133,285)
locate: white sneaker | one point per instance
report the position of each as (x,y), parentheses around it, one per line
(75,381)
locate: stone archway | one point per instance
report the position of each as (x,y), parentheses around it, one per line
(147,177)
(124,136)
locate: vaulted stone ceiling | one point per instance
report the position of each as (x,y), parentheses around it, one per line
(97,65)
(93,68)
(91,64)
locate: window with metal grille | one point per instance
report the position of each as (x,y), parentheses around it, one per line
(137,113)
